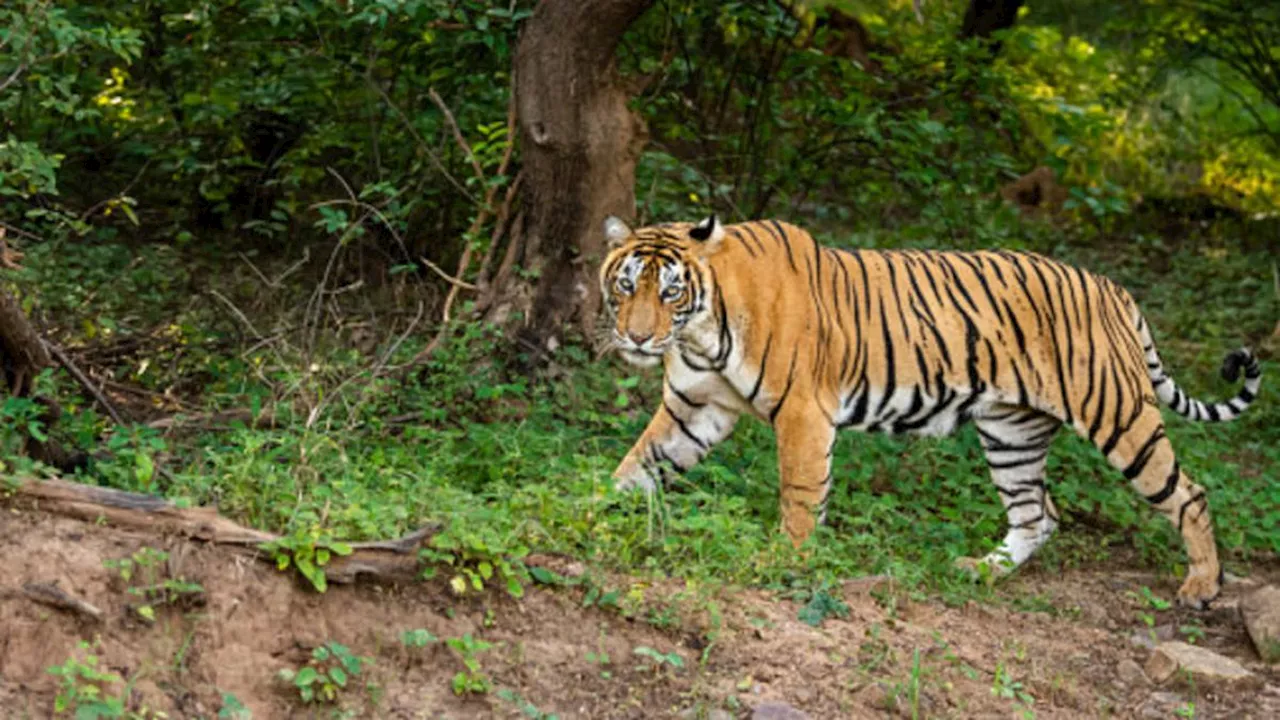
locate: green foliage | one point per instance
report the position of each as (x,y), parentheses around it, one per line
(418,638)
(326,675)
(822,605)
(145,574)
(308,549)
(478,554)
(88,691)
(233,709)
(660,659)
(471,679)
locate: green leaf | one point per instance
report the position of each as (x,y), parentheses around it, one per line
(306,676)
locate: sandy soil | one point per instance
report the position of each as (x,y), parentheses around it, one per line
(889,657)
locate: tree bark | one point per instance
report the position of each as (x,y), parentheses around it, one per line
(983,18)
(579,147)
(22,356)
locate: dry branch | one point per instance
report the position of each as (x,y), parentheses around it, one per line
(53,596)
(381,560)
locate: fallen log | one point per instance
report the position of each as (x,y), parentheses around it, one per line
(382,560)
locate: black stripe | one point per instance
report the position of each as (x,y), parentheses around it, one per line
(1170,485)
(764,363)
(685,398)
(1183,510)
(786,243)
(1011,464)
(889,385)
(702,444)
(791,376)
(1144,455)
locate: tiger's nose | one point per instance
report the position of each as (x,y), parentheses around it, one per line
(638,338)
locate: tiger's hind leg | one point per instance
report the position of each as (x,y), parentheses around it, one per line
(1016,441)
(1145,456)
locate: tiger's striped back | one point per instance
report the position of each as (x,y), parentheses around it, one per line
(762,320)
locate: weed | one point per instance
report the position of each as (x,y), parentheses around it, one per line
(471,679)
(1004,686)
(660,659)
(478,554)
(233,709)
(327,673)
(308,549)
(144,573)
(822,605)
(418,638)
(529,710)
(90,692)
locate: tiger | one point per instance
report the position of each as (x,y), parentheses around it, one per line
(759,319)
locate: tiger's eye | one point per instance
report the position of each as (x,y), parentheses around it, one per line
(625,286)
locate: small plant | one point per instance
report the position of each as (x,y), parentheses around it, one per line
(470,680)
(1186,710)
(309,550)
(86,689)
(478,556)
(660,659)
(233,709)
(821,606)
(529,710)
(144,574)
(1004,686)
(326,674)
(418,638)
(1193,633)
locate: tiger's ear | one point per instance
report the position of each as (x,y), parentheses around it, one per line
(709,233)
(616,232)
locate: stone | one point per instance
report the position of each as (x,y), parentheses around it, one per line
(1131,674)
(1144,638)
(777,711)
(1261,612)
(1176,660)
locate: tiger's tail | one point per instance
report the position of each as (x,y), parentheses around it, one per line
(1185,405)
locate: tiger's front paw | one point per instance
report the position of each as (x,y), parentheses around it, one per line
(1198,591)
(636,482)
(986,569)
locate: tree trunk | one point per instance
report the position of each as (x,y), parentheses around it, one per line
(983,18)
(22,357)
(579,147)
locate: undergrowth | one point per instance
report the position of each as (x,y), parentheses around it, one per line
(508,464)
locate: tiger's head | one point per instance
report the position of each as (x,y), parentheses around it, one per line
(655,283)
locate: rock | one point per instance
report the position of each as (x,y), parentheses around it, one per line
(1144,638)
(1261,611)
(777,711)
(1175,660)
(1130,673)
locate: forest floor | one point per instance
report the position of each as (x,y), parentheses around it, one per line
(1079,654)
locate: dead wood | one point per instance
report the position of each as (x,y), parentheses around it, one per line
(382,560)
(53,596)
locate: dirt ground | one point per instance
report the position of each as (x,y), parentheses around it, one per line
(888,657)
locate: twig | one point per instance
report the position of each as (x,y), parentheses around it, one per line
(19,231)
(435,159)
(66,362)
(99,205)
(53,596)
(457,133)
(13,77)
(504,213)
(448,278)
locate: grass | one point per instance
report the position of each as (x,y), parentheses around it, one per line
(511,464)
